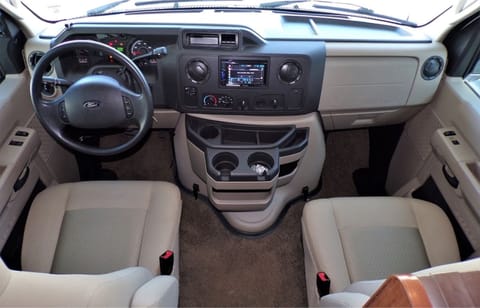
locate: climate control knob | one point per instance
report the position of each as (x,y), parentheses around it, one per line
(210,101)
(197,71)
(290,72)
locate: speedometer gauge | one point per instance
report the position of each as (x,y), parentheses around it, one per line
(139,48)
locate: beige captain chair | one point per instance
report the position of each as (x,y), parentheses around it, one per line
(98,228)
(360,241)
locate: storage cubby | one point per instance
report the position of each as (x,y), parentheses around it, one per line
(236,152)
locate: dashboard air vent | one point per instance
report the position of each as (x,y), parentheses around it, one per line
(432,67)
(229,39)
(34,58)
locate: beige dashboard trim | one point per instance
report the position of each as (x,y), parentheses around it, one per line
(367,73)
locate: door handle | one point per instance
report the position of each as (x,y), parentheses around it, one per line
(450,177)
(22,179)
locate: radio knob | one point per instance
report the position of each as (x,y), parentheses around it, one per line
(290,72)
(197,70)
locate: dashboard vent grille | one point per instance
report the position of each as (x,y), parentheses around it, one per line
(228,39)
(34,58)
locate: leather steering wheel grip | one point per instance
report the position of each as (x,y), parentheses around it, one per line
(93,102)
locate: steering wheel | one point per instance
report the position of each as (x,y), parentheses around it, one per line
(93,102)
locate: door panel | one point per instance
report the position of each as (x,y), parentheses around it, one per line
(20,166)
(443,142)
(19,146)
(15,106)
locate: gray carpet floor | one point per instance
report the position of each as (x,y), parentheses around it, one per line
(219,268)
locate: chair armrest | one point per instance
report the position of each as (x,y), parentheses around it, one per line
(161,291)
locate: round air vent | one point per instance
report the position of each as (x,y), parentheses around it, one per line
(432,67)
(290,72)
(33,59)
(197,71)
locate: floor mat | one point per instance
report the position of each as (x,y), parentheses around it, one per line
(152,161)
(346,151)
(220,268)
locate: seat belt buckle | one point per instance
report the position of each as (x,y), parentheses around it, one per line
(166,262)
(323,284)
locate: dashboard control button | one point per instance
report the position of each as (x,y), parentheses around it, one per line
(16,143)
(274,103)
(269,102)
(127,105)
(449,133)
(243,104)
(63,112)
(191,91)
(225,101)
(21,133)
(190,96)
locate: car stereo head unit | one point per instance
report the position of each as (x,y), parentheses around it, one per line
(236,73)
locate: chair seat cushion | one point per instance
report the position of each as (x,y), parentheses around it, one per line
(100,227)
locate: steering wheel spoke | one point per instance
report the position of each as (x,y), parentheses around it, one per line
(53,112)
(133,104)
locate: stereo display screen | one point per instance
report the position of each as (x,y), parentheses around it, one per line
(243,73)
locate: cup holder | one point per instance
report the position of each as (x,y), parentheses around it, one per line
(261,163)
(209,132)
(225,163)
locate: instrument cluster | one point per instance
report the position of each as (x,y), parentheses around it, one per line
(132,47)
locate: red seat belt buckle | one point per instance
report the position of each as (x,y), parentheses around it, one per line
(166,263)
(323,284)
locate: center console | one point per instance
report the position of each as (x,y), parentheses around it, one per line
(249,167)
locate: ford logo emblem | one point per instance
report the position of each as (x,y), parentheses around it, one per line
(91,104)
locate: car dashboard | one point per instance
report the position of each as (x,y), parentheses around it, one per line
(250,101)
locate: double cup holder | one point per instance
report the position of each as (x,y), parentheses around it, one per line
(242,165)
(235,164)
